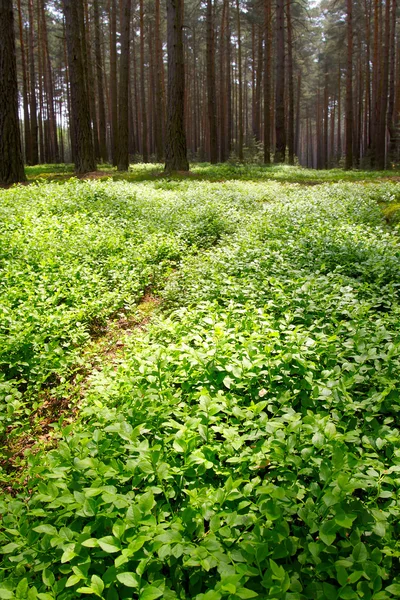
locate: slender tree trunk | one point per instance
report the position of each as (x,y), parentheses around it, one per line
(392,84)
(267,81)
(211,95)
(240,84)
(33,111)
(113,81)
(175,146)
(145,150)
(280,133)
(11,161)
(290,82)
(160,121)
(27,123)
(83,141)
(100,83)
(123,117)
(49,86)
(349,87)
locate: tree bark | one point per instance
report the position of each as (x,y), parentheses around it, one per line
(280,133)
(267,81)
(349,87)
(123,117)
(100,83)
(211,95)
(240,84)
(80,113)
(11,161)
(175,143)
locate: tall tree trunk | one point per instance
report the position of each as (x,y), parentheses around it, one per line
(267,81)
(280,133)
(49,86)
(349,87)
(211,95)
(380,144)
(123,117)
(240,84)
(113,81)
(33,111)
(11,161)
(160,120)
(290,82)
(83,142)
(392,84)
(100,83)
(175,146)
(145,150)
(91,83)
(27,122)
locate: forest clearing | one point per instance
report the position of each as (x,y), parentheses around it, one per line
(199,386)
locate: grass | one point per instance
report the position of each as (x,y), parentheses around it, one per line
(228,349)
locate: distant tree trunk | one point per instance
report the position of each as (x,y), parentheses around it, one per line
(82,137)
(326,117)
(392,84)
(267,81)
(27,122)
(175,146)
(349,87)
(49,87)
(11,162)
(123,117)
(113,81)
(145,151)
(258,83)
(160,124)
(211,95)
(91,83)
(223,92)
(290,82)
(32,73)
(100,84)
(240,84)
(297,133)
(280,133)
(339,120)
(380,145)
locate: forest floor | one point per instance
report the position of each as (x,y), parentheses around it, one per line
(199,385)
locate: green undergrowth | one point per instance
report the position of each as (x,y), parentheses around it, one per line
(245,443)
(223,172)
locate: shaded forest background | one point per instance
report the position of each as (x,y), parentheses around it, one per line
(265,80)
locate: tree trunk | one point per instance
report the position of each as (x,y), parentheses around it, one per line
(211,96)
(267,81)
(145,151)
(33,111)
(123,116)
(240,84)
(160,124)
(280,133)
(11,162)
(349,87)
(27,122)
(290,82)
(175,146)
(113,81)
(80,113)
(100,83)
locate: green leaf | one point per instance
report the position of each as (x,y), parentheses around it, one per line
(359,553)
(48,529)
(6,594)
(327,532)
(97,584)
(129,579)
(393,589)
(150,593)
(146,502)
(73,580)
(109,544)
(8,548)
(68,554)
(48,578)
(246,593)
(22,589)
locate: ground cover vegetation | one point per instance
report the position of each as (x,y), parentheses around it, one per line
(243,443)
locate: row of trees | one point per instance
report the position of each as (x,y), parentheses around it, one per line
(107,80)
